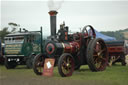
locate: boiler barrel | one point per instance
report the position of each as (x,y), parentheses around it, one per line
(56,49)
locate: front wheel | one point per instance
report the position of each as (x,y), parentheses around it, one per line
(38,64)
(10,64)
(66,65)
(29,62)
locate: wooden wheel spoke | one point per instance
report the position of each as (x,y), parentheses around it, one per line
(69,66)
(95,55)
(104,59)
(101,66)
(99,46)
(38,64)
(95,50)
(98,64)
(101,52)
(64,70)
(68,60)
(64,62)
(95,61)
(39,69)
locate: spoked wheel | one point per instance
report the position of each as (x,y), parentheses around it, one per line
(66,65)
(38,64)
(88,31)
(97,55)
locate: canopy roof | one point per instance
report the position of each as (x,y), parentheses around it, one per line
(104,37)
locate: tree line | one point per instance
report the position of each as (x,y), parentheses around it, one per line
(119,35)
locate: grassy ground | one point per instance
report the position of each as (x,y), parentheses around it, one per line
(115,75)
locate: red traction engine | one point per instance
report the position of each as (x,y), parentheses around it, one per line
(72,50)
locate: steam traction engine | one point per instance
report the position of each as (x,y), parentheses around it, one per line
(72,50)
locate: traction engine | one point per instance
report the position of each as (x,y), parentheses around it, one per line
(72,50)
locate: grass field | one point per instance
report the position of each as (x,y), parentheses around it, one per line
(115,75)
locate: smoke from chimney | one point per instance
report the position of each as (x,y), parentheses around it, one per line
(55,4)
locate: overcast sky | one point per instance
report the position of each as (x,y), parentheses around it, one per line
(102,15)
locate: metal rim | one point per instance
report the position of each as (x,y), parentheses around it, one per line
(91,31)
(67,65)
(100,55)
(38,65)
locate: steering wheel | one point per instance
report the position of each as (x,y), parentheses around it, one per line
(89,33)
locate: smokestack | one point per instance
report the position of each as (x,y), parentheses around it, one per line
(53,14)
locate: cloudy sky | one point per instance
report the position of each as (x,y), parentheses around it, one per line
(102,15)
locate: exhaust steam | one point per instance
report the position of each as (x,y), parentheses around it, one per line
(55,4)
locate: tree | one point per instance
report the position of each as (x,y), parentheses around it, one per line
(13,26)
(5,30)
(3,33)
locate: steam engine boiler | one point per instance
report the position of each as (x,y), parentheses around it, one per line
(72,50)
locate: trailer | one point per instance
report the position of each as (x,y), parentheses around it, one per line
(117,51)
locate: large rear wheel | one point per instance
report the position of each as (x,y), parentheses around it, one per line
(97,55)
(66,65)
(38,64)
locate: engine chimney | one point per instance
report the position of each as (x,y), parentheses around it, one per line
(53,22)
